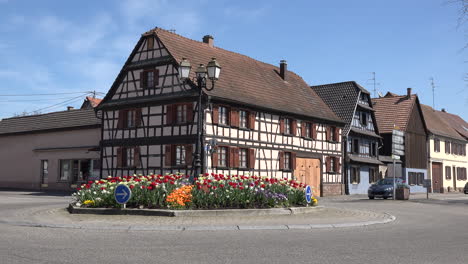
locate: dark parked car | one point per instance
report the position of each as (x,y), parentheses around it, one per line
(466,188)
(383,188)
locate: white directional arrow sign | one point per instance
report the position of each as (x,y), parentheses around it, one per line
(123,193)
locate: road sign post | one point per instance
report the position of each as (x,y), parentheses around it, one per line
(122,194)
(398,149)
(308,194)
(427,183)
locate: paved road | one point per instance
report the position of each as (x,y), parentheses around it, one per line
(434,231)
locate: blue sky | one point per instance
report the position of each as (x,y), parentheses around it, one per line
(68,47)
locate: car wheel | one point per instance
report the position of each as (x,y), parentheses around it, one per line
(385,197)
(371,197)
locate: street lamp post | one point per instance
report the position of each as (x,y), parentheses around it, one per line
(202,73)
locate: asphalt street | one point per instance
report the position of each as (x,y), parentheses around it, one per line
(434,231)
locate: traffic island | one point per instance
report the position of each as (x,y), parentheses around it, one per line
(192,213)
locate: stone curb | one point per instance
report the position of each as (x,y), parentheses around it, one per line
(192,213)
(389,218)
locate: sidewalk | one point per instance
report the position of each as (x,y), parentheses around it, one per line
(50,212)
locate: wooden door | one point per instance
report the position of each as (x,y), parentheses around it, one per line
(436,177)
(308,172)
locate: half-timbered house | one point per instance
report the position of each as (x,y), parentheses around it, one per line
(259,118)
(352,103)
(404,113)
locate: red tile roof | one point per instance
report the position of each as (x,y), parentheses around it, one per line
(93,101)
(249,81)
(393,111)
(436,124)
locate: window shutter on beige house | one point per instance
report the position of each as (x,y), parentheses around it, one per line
(138,117)
(215,115)
(293,126)
(314,131)
(214,158)
(282,125)
(170,114)
(252,120)
(251,158)
(327,164)
(234,117)
(303,129)
(190,112)
(234,157)
(293,161)
(136,156)
(281,160)
(119,157)
(168,156)
(188,154)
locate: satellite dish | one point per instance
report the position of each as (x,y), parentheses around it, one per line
(380,94)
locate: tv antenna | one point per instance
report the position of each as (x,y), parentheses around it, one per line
(374,83)
(433,92)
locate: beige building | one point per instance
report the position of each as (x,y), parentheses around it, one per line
(448,162)
(54,151)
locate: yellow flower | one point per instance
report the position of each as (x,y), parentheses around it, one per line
(88,202)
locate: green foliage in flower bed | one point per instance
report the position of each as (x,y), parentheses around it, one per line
(174,191)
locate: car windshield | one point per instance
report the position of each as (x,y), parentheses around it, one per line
(388,181)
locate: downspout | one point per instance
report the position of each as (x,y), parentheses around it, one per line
(344,165)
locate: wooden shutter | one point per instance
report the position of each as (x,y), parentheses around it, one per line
(252,120)
(251,159)
(156,77)
(303,129)
(337,164)
(293,126)
(214,158)
(234,117)
(282,125)
(136,156)
(215,115)
(337,134)
(170,114)
(188,154)
(138,117)
(119,157)
(189,112)
(143,79)
(168,156)
(293,161)
(314,131)
(281,160)
(327,164)
(233,157)
(121,120)
(328,133)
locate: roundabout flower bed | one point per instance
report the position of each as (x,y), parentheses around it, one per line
(212,191)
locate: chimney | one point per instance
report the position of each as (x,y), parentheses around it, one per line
(208,39)
(284,69)
(69,108)
(408,93)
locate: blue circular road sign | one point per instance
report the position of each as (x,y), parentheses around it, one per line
(308,194)
(122,194)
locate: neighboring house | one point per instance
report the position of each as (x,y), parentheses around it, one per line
(54,151)
(352,103)
(90,102)
(265,119)
(404,113)
(447,153)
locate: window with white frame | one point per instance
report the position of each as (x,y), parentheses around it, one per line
(243,120)
(223,115)
(129,157)
(243,157)
(287,126)
(222,156)
(181,113)
(131,122)
(287,161)
(180,155)
(307,130)
(150,79)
